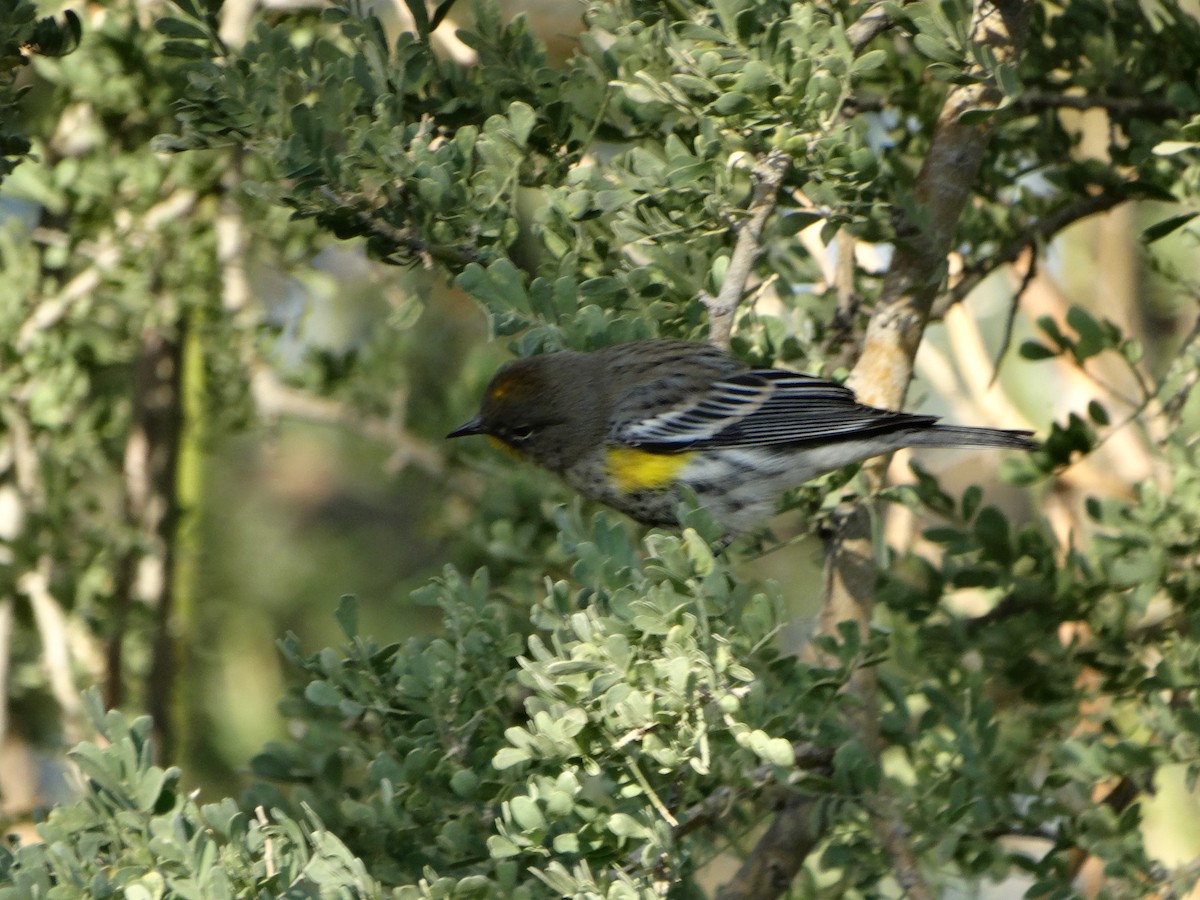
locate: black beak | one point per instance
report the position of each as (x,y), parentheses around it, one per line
(473,427)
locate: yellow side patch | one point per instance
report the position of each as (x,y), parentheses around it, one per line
(639,470)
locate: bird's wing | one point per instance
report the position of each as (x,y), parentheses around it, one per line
(765,406)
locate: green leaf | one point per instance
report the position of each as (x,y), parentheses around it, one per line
(872,59)
(699,552)
(936,49)
(177,28)
(626,826)
(420,16)
(1006,78)
(1032,350)
(1050,327)
(149,788)
(500,847)
(185,50)
(854,769)
(439,13)
(992,531)
(507,757)
(347,615)
(971,499)
(1161,229)
(566,843)
(795,221)
(977,116)
(731,103)
(779,752)
(322,693)
(1132,350)
(521,119)
(526,813)
(1170,148)
(1092,338)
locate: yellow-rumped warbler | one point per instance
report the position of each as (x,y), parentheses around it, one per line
(628,424)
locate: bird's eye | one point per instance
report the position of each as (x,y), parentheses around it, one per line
(521,432)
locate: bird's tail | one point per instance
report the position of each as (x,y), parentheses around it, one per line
(967,436)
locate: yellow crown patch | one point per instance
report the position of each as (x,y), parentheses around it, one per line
(506,384)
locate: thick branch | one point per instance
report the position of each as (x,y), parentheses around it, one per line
(777,857)
(885,367)
(881,378)
(145,573)
(768,175)
(809,757)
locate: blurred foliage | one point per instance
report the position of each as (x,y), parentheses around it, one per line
(23,35)
(102,242)
(600,715)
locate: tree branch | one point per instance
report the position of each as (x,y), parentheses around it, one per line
(274,399)
(151,510)
(881,378)
(884,369)
(809,757)
(772,866)
(768,175)
(6,637)
(1142,107)
(874,22)
(404,241)
(51,624)
(1039,232)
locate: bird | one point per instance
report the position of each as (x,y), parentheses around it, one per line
(631,424)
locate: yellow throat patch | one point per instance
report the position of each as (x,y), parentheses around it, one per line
(641,470)
(500,445)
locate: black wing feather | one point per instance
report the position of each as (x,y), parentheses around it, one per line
(766,406)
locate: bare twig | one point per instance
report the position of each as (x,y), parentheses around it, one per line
(1010,321)
(893,834)
(768,175)
(260,815)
